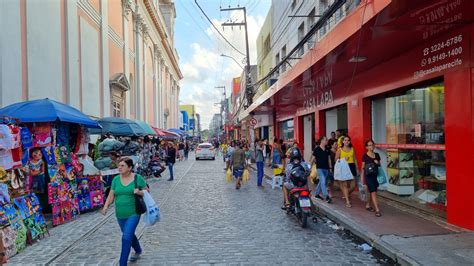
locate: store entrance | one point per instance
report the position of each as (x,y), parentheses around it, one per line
(308,135)
(336,118)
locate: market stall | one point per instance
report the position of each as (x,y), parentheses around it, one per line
(41,170)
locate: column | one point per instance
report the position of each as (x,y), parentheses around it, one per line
(138,21)
(155,84)
(126,5)
(72,54)
(104,35)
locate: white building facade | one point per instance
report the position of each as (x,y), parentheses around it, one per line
(105,57)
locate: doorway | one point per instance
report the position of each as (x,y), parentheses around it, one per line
(308,136)
(336,118)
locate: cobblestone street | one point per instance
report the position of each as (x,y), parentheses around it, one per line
(204,221)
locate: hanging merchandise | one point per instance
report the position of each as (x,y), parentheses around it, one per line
(42,135)
(38,172)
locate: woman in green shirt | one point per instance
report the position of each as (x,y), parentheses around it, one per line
(123,192)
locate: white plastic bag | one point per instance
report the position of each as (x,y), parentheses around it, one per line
(363,193)
(342,171)
(152,214)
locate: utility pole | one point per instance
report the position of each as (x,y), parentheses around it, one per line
(223,110)
(248,87)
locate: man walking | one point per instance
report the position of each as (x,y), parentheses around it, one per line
(259,159)
(171,159)
(238,164)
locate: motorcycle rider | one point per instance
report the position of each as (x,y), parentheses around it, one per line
(296,160)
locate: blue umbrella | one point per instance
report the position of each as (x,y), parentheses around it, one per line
(46,110)
(118,126)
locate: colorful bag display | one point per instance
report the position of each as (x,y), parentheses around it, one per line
(26,138)
(42,135)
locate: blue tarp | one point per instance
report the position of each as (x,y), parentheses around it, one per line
(46,110)
(118,126)
(178,131)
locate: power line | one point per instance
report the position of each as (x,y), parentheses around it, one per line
(325,16)
(223,37)
(192,17)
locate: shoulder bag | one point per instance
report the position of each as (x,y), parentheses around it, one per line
(140,206)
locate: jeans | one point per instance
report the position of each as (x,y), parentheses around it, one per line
(259,173)
(323,175)
(170,167)
(129,239)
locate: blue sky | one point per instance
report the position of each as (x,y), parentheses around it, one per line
(199,47)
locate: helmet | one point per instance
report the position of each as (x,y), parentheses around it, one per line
(298,176)
(295,154)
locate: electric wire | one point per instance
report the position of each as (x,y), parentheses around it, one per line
(216,29)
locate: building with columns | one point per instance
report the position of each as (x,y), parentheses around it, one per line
(105,57)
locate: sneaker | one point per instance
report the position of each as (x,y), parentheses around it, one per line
(135,257)
(170,179)
(318,197)
(328,200)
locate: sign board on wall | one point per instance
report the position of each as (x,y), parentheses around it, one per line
(262,120)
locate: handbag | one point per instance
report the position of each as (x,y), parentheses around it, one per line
(140,206)
(371,169)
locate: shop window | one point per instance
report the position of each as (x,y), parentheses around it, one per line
(287,130)
(409,132)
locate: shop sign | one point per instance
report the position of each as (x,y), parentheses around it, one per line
(320,87)
(442,55)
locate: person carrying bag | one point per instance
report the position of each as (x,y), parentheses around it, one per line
(127,192)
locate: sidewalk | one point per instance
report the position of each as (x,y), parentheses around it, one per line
(405,237)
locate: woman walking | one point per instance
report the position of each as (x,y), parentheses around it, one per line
(369,170)
(124,188)
(347,152)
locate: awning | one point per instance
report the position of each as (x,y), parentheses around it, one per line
(47,110)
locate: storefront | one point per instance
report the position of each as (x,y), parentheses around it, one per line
(409,88)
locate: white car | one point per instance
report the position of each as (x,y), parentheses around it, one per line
(205,151)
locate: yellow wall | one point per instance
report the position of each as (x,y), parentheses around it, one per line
(264,61)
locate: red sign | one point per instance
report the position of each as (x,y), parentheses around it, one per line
(253,122)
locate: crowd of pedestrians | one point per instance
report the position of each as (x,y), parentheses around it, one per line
(334,158)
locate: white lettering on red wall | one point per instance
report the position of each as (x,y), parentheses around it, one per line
(318,94)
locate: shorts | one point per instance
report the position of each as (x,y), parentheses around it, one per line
(372,183)
(238,172)
(181,153)
(330,177)
(352,166)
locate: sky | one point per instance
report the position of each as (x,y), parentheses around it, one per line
(199,47)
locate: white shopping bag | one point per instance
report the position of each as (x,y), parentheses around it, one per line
(152,214)
(342,171)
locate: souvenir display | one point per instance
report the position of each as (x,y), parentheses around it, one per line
(37,161)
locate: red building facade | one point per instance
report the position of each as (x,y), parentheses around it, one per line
(399,72)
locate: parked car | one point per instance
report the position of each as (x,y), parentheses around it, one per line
(205,151)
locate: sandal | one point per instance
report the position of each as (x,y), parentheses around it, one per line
(348,205)
(370,209)
(378,214)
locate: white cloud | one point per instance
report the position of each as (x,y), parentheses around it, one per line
(207,69)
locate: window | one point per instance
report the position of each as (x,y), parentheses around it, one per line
(283,55)
(300,37)
(311,22)
(277,60)
(293,4)
(266,46)
(287,130)
(117,111)
(323,5)
(410,134)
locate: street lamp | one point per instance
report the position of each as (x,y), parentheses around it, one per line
(223,55)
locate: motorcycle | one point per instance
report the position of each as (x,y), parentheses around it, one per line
(299,197)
